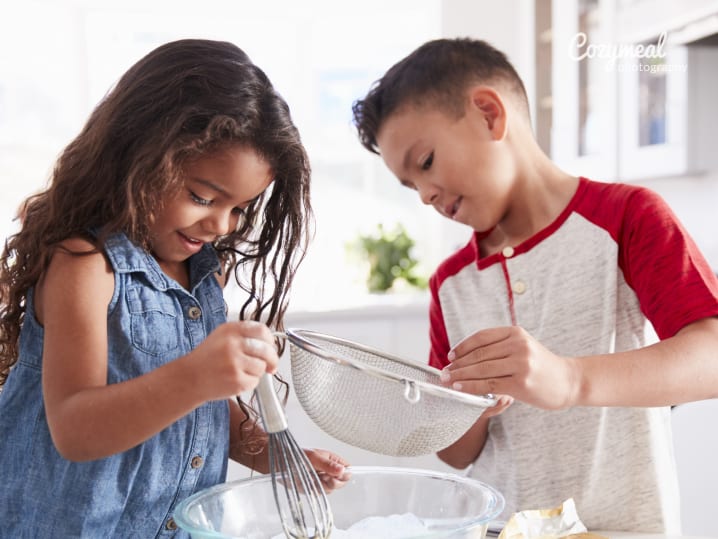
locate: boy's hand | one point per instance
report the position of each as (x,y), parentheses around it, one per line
(233,357)
(509,361)
(502,402)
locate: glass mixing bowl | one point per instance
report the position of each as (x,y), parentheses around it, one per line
(449,505)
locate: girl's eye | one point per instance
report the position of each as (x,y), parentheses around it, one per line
(199,200)
(426,165)
(238,211)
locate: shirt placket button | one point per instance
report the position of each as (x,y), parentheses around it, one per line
(194,312)
(519,287)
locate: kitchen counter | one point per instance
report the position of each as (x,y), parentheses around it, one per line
(635,535)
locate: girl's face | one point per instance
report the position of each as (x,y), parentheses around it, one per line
(458,166)
(216,190)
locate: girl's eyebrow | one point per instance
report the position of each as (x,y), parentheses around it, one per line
(212,185)
(219,189)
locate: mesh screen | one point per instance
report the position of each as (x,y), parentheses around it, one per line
(370,412)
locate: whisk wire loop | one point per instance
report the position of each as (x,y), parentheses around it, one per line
(298,493)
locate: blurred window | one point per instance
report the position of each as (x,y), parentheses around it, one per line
(57,60)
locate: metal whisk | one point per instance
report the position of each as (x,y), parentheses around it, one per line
(298,492)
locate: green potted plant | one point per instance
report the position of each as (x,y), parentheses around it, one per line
(389,253)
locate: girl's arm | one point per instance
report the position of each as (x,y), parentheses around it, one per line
(89,419)
(330,467)
(247,440)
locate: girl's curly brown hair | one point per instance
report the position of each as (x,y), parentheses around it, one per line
(183,100)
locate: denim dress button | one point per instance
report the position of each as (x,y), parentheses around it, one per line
(171,524)
(194,312)
(197,462)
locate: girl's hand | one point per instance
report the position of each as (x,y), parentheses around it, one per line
(330,468)
(509,361)
(233,358)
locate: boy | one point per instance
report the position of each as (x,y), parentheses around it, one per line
(550,301)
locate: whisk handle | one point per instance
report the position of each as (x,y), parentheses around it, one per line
(269,406)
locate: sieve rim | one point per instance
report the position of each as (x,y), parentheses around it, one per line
(302,339)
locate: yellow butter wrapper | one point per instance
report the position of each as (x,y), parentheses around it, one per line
(552,523)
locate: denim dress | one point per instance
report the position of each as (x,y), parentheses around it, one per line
(151,320)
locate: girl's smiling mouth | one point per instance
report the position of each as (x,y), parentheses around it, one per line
(191,244)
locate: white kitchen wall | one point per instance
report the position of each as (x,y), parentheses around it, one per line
(58,59)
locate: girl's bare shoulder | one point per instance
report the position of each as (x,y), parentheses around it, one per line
(78,273)
(79,255)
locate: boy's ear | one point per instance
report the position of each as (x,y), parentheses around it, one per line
(490,105)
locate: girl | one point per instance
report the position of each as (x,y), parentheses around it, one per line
(120,371)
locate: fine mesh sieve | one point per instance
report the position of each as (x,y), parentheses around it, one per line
(377,401)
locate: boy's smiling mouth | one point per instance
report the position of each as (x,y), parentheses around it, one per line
(451,209)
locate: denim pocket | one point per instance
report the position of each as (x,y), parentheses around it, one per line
(154,321)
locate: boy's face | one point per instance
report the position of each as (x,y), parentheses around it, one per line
(461,167)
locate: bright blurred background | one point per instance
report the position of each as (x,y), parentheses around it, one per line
(59,58)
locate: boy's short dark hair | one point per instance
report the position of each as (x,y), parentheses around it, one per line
(436,74)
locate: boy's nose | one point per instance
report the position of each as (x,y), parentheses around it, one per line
(428,194)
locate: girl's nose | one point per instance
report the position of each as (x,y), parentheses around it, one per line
(221,223)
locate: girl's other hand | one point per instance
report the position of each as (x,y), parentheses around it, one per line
(233,358)
(331,468)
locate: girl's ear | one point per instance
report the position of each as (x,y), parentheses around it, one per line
(488,103)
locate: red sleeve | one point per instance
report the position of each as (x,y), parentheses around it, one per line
(437,329)
(662,264)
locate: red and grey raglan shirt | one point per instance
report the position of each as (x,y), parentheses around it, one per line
(614,270)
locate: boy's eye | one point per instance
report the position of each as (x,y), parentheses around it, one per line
(426,165)
(199,200)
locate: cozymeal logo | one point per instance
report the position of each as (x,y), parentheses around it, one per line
(650,57)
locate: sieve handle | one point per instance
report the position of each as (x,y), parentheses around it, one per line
(412,393)
(270,409)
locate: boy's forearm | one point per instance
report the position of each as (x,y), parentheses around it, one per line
(680,369)
(466,449)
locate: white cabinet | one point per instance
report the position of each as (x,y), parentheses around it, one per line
(633,87)
(666,103)
(584,89)
(667,116)
(641,20)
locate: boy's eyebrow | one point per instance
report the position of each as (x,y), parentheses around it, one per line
(407,156)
